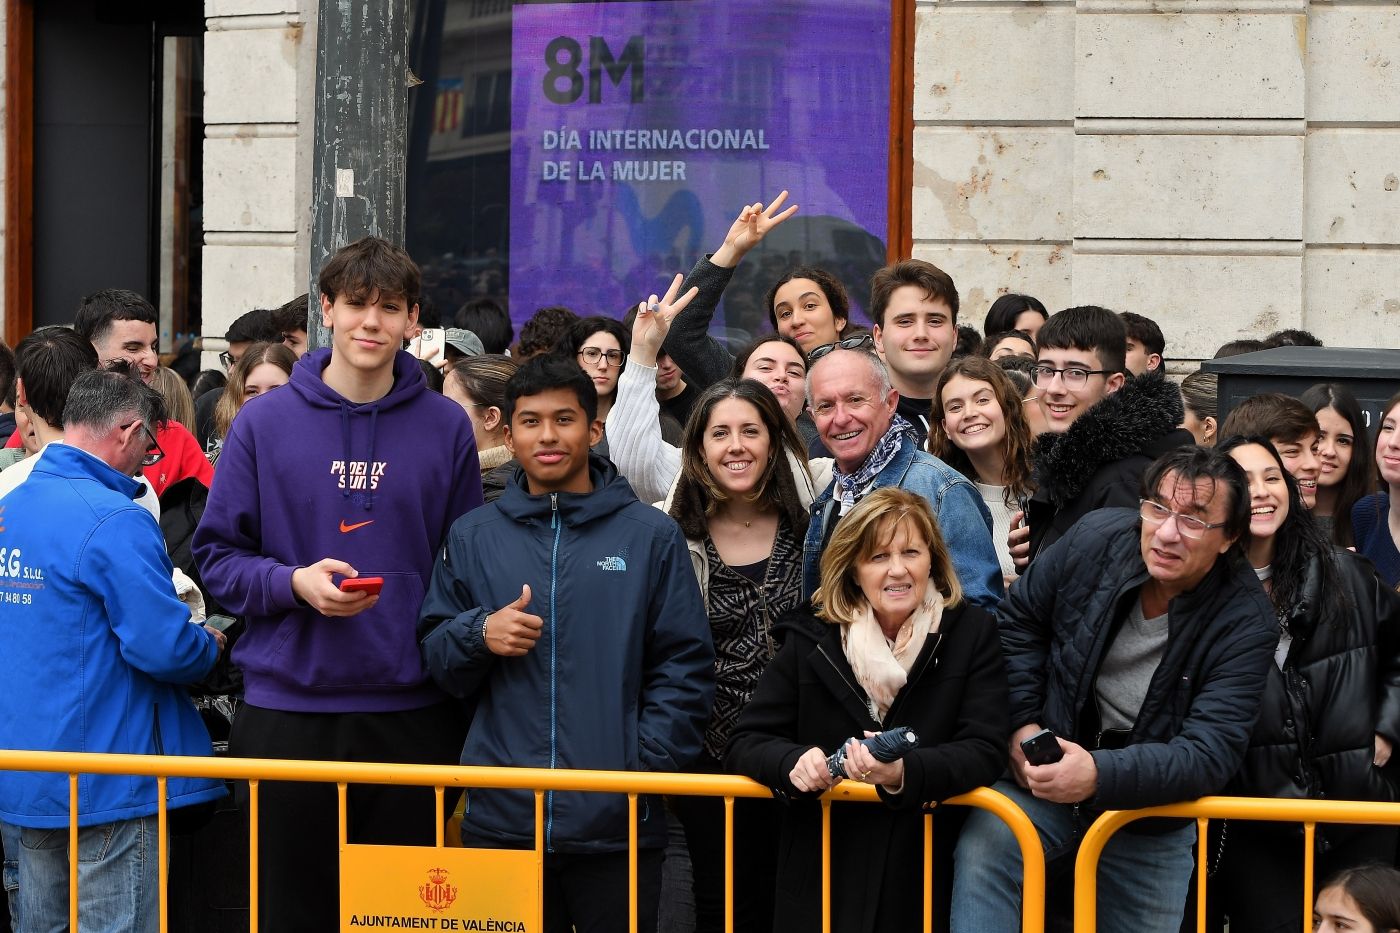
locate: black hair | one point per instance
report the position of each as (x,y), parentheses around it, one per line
(1298,542)
(1191,464)
(292,316)
(990,344)
(97,311)
(969,342)
(7,375)
(1361,471)
(489,321)
(575,337)
(49,359)
(1005,310)
(1145,331)
(550,371)
(255,326)
(208,380)
(1292,337)
(541,333)
(428,312)
(1091,329)
(830,285)
(1237,347)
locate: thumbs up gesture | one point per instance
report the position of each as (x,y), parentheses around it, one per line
(511,631)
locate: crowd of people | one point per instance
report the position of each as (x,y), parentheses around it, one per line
(619,544)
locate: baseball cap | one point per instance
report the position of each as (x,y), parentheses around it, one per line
(464,341)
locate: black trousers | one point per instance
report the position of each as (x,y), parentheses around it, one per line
(757,826)
(588,893)
(298,833)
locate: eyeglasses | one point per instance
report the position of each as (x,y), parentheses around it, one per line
(850,343)
(1074,377)
(226,358)
(1154,513)
(591,356)
(153,453)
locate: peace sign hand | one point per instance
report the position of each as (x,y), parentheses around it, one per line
(749,228)
(654,317)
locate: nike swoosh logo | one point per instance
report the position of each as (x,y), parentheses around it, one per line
(345,529)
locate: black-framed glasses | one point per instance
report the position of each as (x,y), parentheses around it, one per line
(591,356)
(227,360)
(1074,377)
(153,452)
(850,343)
(1155,513)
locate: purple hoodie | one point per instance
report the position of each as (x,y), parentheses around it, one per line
(305,475)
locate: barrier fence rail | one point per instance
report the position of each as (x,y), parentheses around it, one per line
(537,780)
(1307,812)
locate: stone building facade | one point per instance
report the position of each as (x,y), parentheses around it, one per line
(1227,167)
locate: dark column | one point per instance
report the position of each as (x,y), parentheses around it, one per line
(362,82)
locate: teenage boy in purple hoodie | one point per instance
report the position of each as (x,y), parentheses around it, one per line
(355,469)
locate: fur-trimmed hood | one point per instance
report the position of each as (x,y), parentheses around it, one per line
(1137,419)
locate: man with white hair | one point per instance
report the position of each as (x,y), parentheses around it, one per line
(853,405)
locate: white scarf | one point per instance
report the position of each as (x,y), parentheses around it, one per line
(882,669)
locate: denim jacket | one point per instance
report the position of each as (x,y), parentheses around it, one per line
(962,517)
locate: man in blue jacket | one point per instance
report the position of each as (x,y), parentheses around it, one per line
(96,646)
(598,657)
(855,408)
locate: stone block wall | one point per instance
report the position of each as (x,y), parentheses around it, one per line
(1226,167)
(259,80)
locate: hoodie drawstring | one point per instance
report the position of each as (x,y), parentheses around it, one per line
(369,461)
(345,446)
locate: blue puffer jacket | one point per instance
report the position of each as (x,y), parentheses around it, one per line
(621,679)
(94,644)
(962,518)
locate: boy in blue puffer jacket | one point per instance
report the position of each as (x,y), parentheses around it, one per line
(600,659)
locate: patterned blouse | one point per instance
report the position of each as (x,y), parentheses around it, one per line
(741,617)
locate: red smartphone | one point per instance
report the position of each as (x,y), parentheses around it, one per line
(370,585)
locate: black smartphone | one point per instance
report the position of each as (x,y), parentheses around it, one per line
(1042,748)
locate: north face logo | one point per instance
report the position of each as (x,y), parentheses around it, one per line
(613,563)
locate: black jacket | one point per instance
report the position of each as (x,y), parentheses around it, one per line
(1099,462)
(1340,685)
(1195,721)
(955,700)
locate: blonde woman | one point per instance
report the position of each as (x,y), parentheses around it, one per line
(891,642)
(262,368)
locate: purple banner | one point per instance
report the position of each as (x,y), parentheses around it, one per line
(639,130)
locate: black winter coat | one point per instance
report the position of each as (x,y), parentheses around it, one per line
(1098,463)
(1340,685)
(1201,705)
(955,700)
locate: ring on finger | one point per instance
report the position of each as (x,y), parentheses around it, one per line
(864,775)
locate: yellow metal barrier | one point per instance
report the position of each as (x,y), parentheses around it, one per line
(1307,812)
(539,780)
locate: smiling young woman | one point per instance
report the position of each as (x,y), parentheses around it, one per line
(979,428)
(1330,712)
(741,501)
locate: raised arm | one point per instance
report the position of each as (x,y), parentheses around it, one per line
(635,443)
(702,358)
